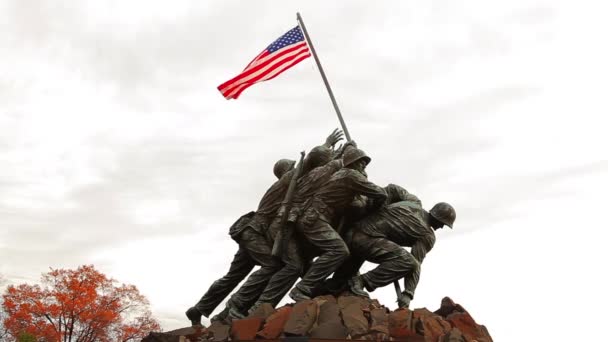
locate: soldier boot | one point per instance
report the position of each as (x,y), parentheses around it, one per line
(194,315)
(357,286)
(297,295)
(221,317)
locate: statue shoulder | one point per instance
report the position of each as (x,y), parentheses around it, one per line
(397,193)
(343,172)
(413,205)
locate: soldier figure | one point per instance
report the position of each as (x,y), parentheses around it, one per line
(322,209)
(292,254)
(379,238)
(253,250)
(250,232)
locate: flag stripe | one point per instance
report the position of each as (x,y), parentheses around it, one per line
(236,92)
(296,61)
(257,66)
(260,73)
(262,76)
(262,54)
(256,71)
(285,52)
(277,73)
(286,49)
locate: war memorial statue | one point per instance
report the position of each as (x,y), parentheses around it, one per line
(250,231)
(379,236)
(319,218)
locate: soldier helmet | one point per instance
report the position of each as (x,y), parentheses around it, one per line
(282,166)
(444,213)
(318,156)
(354,154)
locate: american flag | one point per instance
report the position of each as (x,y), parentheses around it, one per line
(282,54)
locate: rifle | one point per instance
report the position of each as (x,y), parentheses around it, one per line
(399,293)
(286,230)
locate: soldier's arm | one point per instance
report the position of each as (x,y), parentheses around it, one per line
(333,138)
(423,246)
(362,186)
(397,194)
(338,153)
(334,166)
(357,208)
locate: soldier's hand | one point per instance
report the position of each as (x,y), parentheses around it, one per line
(348,145)
(334,137)
(351,143)
(360,201)
(404,301)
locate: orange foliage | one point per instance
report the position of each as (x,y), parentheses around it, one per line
(78,305)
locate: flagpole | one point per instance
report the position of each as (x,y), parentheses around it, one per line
(331,94)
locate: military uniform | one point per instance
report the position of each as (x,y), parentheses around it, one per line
(255,248)
(314,224)
(380,236)
(255,241)
(293,258)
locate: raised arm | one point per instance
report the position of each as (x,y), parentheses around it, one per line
(322,154)
(333,138)
(339,152)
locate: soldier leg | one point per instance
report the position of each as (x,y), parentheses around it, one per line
(394,263)
(283,280)
(259,249)
(339,281)
(351,266)
(333,253)
(240,267)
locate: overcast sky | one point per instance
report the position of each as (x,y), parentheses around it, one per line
(117,149)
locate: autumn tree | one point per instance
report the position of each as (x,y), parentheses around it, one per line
(3,330)
(77,305)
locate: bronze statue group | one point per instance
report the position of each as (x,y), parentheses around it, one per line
(324,218)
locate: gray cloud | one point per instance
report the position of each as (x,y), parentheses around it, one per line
(113,133)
